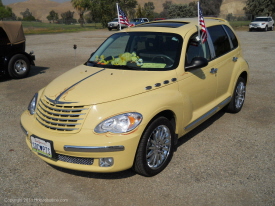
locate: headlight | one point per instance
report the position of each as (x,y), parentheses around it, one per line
(32,104)
(120,124)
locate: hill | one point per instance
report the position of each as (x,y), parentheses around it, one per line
(232,6)
(40,8)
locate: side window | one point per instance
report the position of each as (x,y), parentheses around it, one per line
(196,49)
(232,36)
(220,40)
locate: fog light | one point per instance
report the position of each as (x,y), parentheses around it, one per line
(106,162)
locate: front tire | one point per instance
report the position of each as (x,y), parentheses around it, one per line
(19,66)
(237,101)
(156,148)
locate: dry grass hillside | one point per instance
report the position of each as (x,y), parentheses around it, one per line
(232,6)
(40,8)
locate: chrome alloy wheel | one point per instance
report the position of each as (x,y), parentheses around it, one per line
(158,147)
(240,95)
(20,66)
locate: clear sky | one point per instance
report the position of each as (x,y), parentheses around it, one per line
(6,2)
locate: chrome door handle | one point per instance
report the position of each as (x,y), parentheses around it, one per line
(235,59)
(213,70)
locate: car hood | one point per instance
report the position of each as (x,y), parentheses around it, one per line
(92,85)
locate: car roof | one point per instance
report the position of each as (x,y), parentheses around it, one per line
(14,31)
(181,25)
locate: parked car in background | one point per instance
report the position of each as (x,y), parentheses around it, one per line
(264,23)
(137,94)
(137,21)
(114,25)
(14,61)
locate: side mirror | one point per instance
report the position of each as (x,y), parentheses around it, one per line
(197,62)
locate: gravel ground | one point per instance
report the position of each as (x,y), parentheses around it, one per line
(228,160)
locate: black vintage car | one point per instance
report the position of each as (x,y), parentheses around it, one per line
(14,61)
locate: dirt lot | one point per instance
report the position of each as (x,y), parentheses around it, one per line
(228,160)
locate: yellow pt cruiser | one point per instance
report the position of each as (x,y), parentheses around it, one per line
(141,90)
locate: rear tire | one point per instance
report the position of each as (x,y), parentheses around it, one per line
(156,148)
(237,101)
(19,66)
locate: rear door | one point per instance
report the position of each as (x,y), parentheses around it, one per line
(226,55)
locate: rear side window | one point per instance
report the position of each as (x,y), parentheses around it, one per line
(232,36)
(220,40)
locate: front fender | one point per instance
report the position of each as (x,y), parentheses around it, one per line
(149,104)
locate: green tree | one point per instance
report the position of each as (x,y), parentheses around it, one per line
(81,6)
(68,17)
(5,12)
(210,7)
(140,12)
(53,16)
(166,5)
(180,11)
(105,10)
(260,7)
(27,15)
(149,10)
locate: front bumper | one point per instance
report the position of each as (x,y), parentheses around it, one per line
(83,151)
(257,27)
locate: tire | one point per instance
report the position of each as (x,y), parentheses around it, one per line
(19,66)
(110,29)
(156,148)
(237,101)
(272,28)
(266,28)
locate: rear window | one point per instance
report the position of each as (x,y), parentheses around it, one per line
(232,36)
(220,40)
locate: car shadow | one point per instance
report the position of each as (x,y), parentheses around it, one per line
(129,173)
(94,175)
(35,70)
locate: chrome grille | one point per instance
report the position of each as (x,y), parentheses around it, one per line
(64,118)
(75,160)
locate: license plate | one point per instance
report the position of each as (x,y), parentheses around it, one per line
(42,146)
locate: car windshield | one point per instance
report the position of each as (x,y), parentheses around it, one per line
(261,19)
(139,50)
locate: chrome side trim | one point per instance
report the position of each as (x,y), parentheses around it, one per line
(212,111)
(93,149)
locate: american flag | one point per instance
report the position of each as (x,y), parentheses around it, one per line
(203,27)
(122,18)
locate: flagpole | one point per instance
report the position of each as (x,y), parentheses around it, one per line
(199,34)
(118,17)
